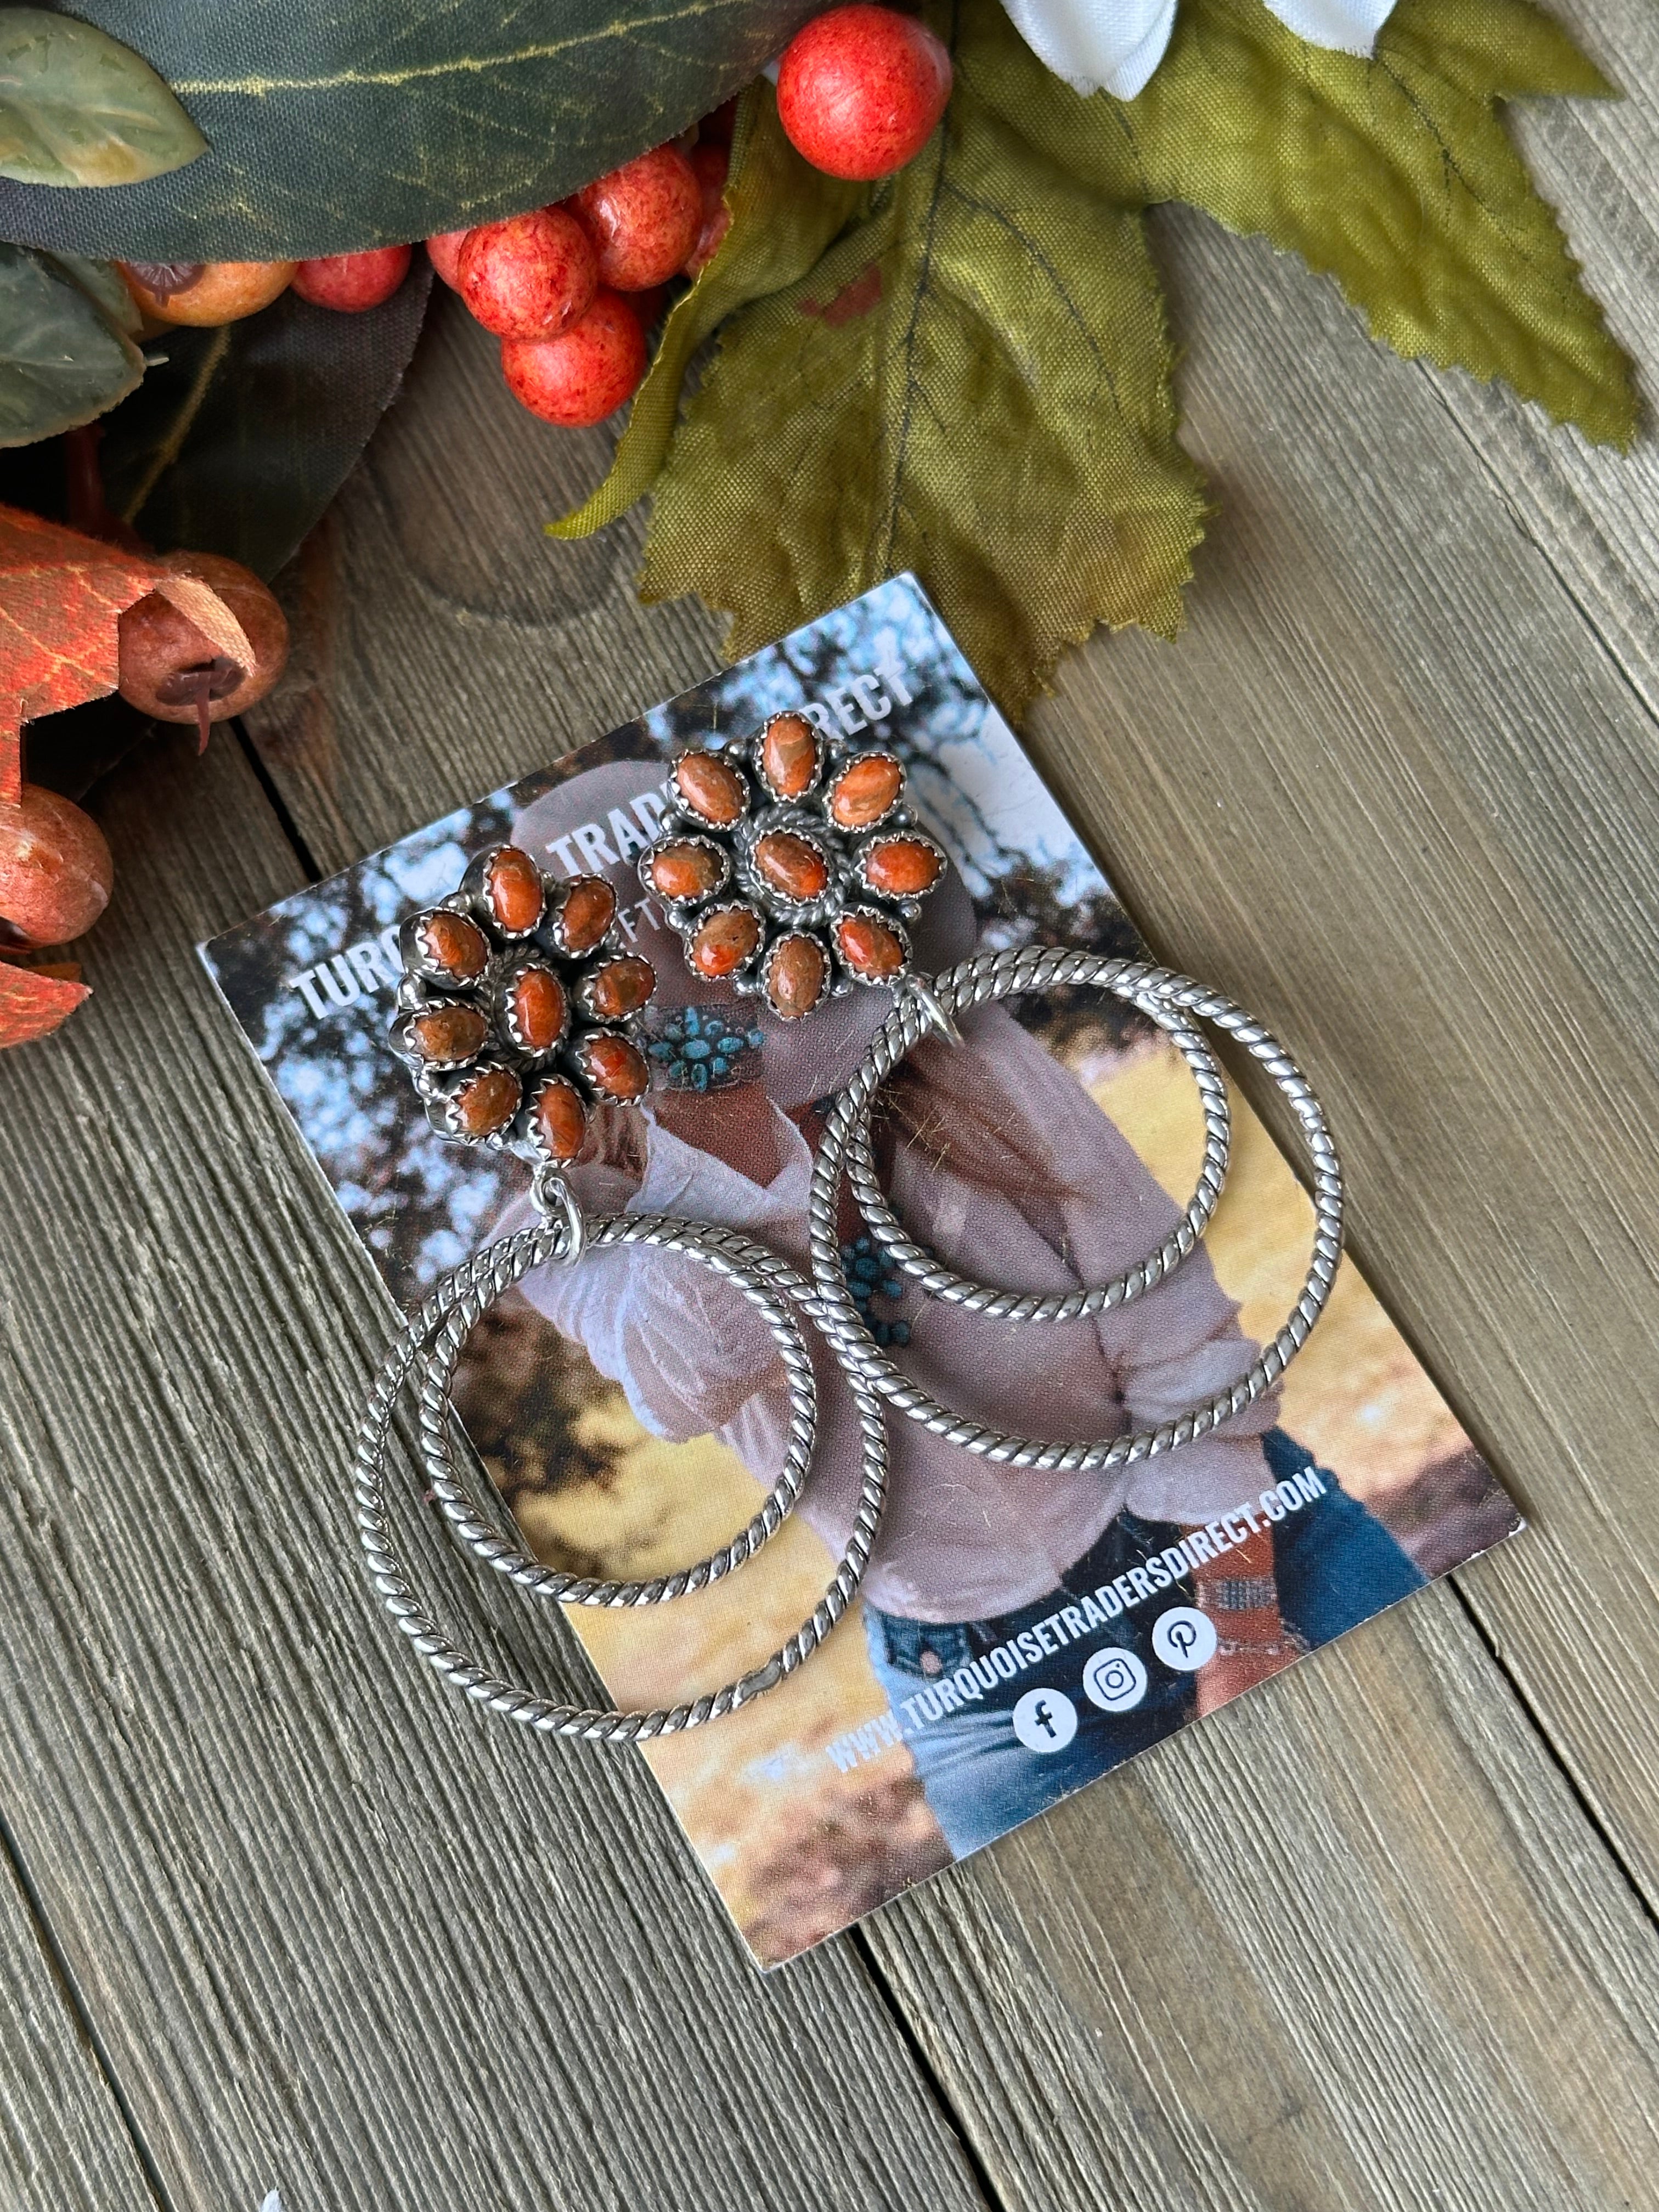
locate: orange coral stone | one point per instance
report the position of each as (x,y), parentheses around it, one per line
(795,976)
(789,755)
(443,1035)
(455,944)
(613,1066)
(561,1119)
(711,788)
(868,947)
(621,987)
(588,910)
(485,1102)
(726,941)
(686,871)
(538,1008)
(902,867)
(513,886)
(863,792)
(791,865)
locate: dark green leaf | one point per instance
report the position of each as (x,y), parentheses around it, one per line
(784,213)
(239,440)
(62,362)
(77,107)
(973,383)
(362,122)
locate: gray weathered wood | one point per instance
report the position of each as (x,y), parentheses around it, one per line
(340,1934)
(64,2146)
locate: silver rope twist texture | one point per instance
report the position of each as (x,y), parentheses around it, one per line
(1007,975)
(498,1264)
(942,1282)
(751,1269)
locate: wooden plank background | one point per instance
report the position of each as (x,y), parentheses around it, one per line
(1382,1935)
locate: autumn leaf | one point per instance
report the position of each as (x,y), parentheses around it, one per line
(784,213)
(34,1000)
(61,598)
(974,384)
(77,107)
(1395,175)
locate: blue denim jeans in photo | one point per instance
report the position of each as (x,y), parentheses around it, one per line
(1335,1565)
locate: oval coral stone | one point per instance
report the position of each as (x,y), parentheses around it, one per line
(561,1119)
(588,910)
(613,1066)
(687,870)
(441,1035)
(513,886)
(868,947)
(792,865)
(795,976)
(711,788)
(455,946)
(728,940)
(485,1102)
(904,867)
(539,1010)
(865,791)
(620,988)
(789,755)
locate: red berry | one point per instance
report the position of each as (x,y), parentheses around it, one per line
(709,164)
(351,282)
(643,218)
(585,375)
(55,868)
(647,305)
(531,276)
(444,252)
(860,89)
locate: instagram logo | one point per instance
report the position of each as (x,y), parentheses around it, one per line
(1115,1680)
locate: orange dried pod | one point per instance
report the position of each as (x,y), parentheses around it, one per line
(443,1036)
(205,293)
(616,1068)
(558,1119)
(710,789)
(796,977)
(453,947)
(865,791)
(514,891)
(725,941)
(484,1103)
(536,1009)
(791,755)
(902,867)
(687,868)
(792,865)
(587,907)
(619,988)
(871,947)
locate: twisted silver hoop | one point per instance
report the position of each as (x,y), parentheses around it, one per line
(942,1282)
(751,1268)
(1007,975)
(489,1271)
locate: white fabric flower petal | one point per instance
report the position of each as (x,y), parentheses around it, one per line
(1116,44)
(1349,26)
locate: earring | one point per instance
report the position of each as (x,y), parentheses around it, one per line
(518,1014)
(790,866)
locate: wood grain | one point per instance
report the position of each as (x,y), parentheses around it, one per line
(64,2146)
(339,1936)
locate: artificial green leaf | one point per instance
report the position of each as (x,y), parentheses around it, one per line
(784,213)
(364,123)
(238,441)
(77,107)
(62,362)
(973,383)
(101,283)
(1395,175)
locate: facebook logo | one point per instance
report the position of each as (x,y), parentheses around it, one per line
(1045,1720)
